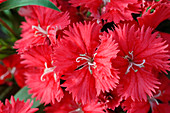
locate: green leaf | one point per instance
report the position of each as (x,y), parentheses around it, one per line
(9,4)
(22,94)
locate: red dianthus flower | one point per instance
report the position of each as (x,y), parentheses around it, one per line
(17,106)
(158,103)
(40,27)
(140,52)
(13,63)
(68,105)
(117,10)
(84,59)
(156,14)
(43,82)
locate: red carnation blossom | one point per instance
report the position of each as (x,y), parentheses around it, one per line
(93,5)
(17,106)
(13,63)
(68,105)
(73,11)
(140,52)
(85,61)
(4,74)
(156,14)
(43,82)
(158,103)
(117,10)
(111,99)
(41,26)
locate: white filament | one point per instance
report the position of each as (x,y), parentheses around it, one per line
(131,63)
(105,1)
(40,30)
(78,110)
(4,75)
(81,58)
(48,70)
(85,57)
(13,70)
(152,99)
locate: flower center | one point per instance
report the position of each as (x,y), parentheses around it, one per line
(131,63)
(40,31)
(48,70)
(4,75)
(152,100)
(89,62)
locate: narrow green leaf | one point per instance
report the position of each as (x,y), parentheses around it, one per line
(9,4)
(22,94)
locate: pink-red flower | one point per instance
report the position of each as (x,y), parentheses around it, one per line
(41,26)
(93,5)
(83,57)
(110,100)
(140,52)
(17,106)
(156,14)
(14,66)
(74,12)
(43,82)
(158,103)
(117,10)
(68,105)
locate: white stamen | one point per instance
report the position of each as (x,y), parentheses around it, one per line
(4,75)
(105,1)
(89,61)
(131,53)
(128,69)
(55,77)
(79,110)
(141,64)
(131,63)
(143,3)
(48,70)
(81,58)
(40,31)
(159,94)
(13,70)
(152,99)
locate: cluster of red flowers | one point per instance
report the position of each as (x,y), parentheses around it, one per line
(74,63)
